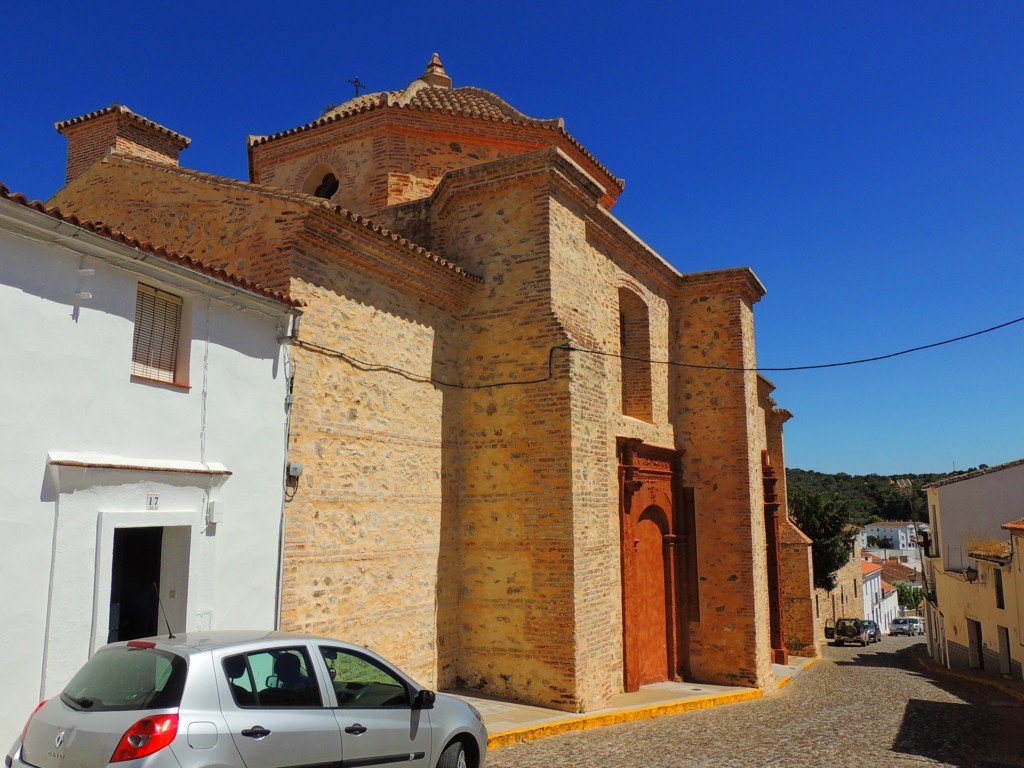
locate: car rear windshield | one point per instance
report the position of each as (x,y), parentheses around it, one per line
(126,678)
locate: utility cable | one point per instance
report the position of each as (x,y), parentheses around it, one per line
(800,367)
(425,379)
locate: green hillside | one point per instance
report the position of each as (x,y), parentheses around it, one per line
(872,498)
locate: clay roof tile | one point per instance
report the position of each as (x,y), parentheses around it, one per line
(117,236)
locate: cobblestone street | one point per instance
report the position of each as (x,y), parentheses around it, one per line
(870,706)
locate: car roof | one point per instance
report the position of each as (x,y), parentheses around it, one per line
(188,643)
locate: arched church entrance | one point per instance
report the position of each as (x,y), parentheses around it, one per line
(658,564)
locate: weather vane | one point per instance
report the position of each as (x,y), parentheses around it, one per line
(357,84)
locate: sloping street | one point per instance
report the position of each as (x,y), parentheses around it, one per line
(872,706)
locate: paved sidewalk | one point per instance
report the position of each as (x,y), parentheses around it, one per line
(1010,686)
(508,722)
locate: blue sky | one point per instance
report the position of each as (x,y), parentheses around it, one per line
(865,159)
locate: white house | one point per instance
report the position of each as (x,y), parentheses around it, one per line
(890,608)
(145,430)
(871,592)
(889,536)
(974,573)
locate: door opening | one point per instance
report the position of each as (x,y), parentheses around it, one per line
(134,583)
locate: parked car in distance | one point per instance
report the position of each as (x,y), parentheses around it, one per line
(851,631)
(874,631)
(907,625)
(830,629)
(247,700)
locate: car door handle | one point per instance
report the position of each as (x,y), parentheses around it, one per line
(256,732)
(356,728)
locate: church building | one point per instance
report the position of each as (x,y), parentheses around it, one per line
(527,455)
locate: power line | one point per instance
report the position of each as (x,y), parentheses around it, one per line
(426,379)
(801,367)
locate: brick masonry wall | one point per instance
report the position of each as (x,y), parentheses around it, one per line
(393,155)
(90,141)
(797,591)
(370,554)
(218,224)
(513,470)
(723,432)
(588,273)
(846,600)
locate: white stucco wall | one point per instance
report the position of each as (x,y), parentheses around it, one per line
(974,507)
(68,396)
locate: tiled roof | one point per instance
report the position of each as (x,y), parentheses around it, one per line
(309,200)
(98,228)
(1015,525)
(897,572)
(183,141)
(869,568)
(422,95)
(889,525)
(975,473)
(995,550)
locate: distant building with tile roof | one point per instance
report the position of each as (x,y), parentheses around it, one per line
(501,489)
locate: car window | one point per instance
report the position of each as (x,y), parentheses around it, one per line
(127,678)
(361,683)
(277,677)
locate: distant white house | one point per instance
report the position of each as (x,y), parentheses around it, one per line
(144,447)
(889,536)
(871,591)
(890,607)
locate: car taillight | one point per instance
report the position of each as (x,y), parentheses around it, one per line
(29,721)
(149,735)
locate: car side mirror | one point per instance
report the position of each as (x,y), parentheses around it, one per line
(423,699)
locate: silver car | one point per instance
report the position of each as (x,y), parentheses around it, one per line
(247,700)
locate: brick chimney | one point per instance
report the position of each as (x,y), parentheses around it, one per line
(93,136)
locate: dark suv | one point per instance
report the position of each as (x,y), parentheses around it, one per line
(851,631)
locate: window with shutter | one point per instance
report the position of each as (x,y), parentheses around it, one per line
(157,331)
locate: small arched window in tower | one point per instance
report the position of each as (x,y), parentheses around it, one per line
(635,349)
(327,187)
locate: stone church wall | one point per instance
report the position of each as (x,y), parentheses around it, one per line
(722,434)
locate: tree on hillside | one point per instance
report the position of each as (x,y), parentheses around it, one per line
(896,503)
(826,521)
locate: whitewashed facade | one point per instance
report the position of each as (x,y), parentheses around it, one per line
(974,574)
(889,537)
(871,593)
(114,487)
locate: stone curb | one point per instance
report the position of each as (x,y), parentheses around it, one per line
(789,678)
(599,719)
(930,666)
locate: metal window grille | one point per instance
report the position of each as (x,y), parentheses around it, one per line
(157,330)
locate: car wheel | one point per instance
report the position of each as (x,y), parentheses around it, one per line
(454,756)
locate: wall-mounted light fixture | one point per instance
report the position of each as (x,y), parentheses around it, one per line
(971,573)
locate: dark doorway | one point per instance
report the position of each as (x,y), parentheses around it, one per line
(135,578)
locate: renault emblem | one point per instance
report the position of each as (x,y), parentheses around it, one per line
(59,740)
